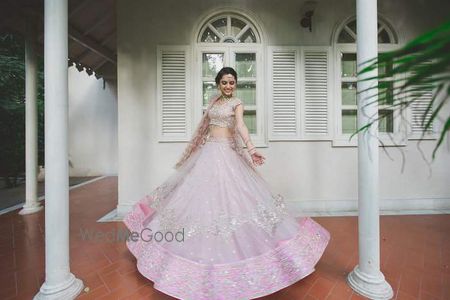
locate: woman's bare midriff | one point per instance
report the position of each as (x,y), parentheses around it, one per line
(217,131)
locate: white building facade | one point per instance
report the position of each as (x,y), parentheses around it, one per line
(299,93)
(298,87)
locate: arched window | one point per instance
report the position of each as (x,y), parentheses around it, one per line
(346,71)
(348,33)
(232,39)
(228,28)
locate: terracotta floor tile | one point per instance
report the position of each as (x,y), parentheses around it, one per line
(92,280)
(25,294)
(298,290)
(356,296)
(118,293)
(26,280)
(321,288)
(432,285)
(94,294)
(427,296)
(415,255)
(341,291)
(8,286)
(410,282)
(143,292)
(404,296)
(157,295)
(113,280)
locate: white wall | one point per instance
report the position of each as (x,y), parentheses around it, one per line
(321,178)
(92,125)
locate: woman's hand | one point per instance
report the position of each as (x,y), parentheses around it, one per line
(258,158)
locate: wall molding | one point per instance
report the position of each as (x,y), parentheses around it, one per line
(342,207)
(389,206)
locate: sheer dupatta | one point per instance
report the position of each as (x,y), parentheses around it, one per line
(201,134)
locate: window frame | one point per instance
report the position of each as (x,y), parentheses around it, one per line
(399,135)
(228,15)
(229,49)
(396,138)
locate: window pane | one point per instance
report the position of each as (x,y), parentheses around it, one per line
(348,65)
(246,91)
(229,40)
(349,93)
(250,121)
(209,90)
(246,64)
(221,25)
(383,37)
(209,36)
(385,91)
(349,121)
(344,37)
(352,26)
(248,37)
(386,67)
(236,26)
(386,124)
(212,63)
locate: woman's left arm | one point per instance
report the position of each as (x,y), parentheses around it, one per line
(257,157)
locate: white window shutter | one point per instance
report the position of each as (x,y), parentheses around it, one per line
(315,91)
(418,108)
(284,102)
(173,93)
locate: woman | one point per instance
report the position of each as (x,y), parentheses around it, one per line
(213,229)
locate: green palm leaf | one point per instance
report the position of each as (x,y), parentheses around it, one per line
(421,66)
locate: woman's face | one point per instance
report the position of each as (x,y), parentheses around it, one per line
(227,85)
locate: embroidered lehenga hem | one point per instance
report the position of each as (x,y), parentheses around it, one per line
(253,277)
(239,240)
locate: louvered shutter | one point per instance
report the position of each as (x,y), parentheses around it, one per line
(284,100)
(315,112)
(418,109)
(424,95)
(173,93)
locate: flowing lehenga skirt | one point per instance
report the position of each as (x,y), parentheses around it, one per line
(214,230)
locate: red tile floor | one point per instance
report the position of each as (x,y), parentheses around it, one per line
(415,255)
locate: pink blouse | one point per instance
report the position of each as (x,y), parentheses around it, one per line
(223,114)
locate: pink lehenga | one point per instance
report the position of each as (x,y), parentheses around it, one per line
(214,229)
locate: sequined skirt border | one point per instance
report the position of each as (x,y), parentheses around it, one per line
(251,278)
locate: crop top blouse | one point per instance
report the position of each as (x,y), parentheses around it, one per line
(223,114)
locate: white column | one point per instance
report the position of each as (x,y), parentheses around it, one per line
(31,121)
(59,282)
(366,278)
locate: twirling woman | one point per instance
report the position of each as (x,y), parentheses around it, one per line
(213,229)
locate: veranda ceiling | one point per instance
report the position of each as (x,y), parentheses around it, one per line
(92,31)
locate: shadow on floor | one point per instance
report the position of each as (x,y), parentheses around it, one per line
(13,196)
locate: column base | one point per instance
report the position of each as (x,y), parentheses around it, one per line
(68,290)
(372,287)
(30,209)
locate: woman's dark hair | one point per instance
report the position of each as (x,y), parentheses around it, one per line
(225,71)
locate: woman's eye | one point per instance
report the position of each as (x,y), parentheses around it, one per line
(225,82)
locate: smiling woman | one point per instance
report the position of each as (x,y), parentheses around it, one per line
(239,241)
